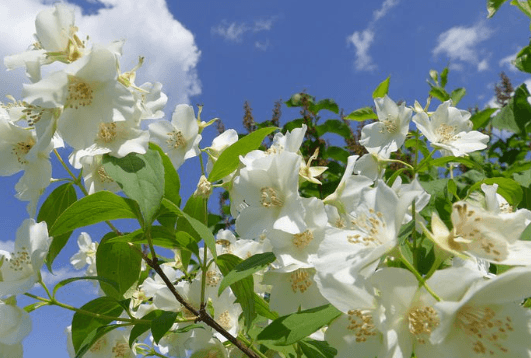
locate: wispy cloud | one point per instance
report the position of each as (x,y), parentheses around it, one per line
(362,40)
(507,61)
(59,275)
(8,246)
(461,45)
(235,32)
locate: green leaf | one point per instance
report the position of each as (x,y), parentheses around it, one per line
(524,178)
(162,324)
(292,328)
(118,262)
(328,104)
(317,349)
(336,153)
(246,268)
(443,161)
(93,337)
(83,324)
(199,229)
(444,77)
(508,188)
(229,160)
(481,118)
(439,93)
(456,95)
(516,114)
(73,279)
(523,60)
(140,328)
(524,6)
(362,114)
(382,89)
(296,99)
(160,236)
(61,198)
(262,308)
(334,126)
(243,289)
(141,177)
(172,183)
(93,209)
(493,6)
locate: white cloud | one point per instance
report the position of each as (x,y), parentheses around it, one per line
(234,32)
(508,62)
(59,275)
(362,40)
(461,44)
(386,6)
(262,45)
(170,52)
(8,246)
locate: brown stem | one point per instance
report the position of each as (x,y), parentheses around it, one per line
(201,314)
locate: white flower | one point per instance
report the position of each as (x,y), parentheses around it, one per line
(389,133)
(219,144)
(16,323)
(86,254)
(487,321)
(20,269)
(151,102)
(90,92)
(180,138)
(114,344)
(266,196)
(293,288)
(450,130)
(95,177)
(483,234)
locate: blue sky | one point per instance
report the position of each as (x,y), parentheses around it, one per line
(221,53)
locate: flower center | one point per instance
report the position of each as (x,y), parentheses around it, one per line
(300,281)
(100,343)
(303,239)
(269,198)
(361,323)
(79,93)
(370,226)
(120,350)
(390,126)
(226,247)
(104,177)
(212,278)
(176,140)
(22,148)
(19,260)
(446,133)
(107,132)
(422,321)
(224,320)
(33,113)
(486,331)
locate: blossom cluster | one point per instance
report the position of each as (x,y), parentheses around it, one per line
(345,249)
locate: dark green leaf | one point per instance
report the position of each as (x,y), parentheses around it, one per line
(382,89)
(508,188)
(525,7)
(140,328)
(83,325)
(456,95)
(61,198)
(172,183)
(294,327)
(516,114)
(246,268)
(229,160)
(481,118)
(439,93)
(334,126)
(317,349)
(444,77)
(523,60)
(336,153)
(118,262)
(141,177)
(198,229)
(162,324)
(93,209)
(160,236)
(524,178)
(526,234)
(362,114)
(93,337)
(243,289)
(262,308)
(328,104)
